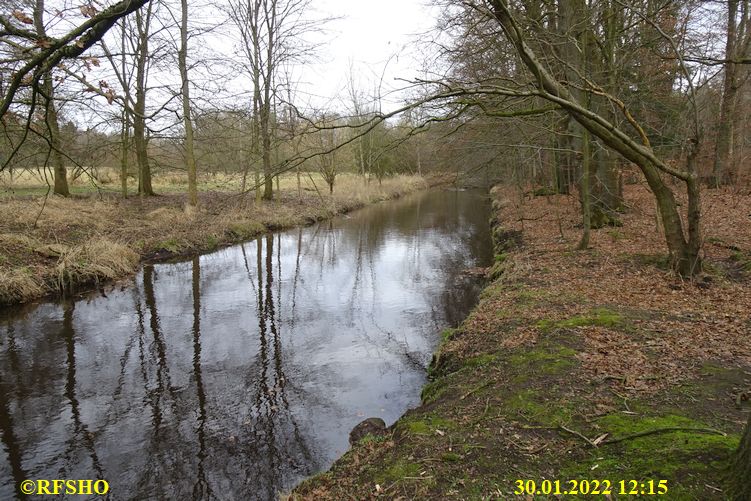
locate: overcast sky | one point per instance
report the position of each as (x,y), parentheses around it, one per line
(368,35)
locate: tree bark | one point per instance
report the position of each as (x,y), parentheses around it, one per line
(739,488)
(182,58)
(268,83)
(139,111)
(585,191)
(60,175)
(124,140)
(722,168)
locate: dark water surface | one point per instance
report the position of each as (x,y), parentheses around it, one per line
(238,373)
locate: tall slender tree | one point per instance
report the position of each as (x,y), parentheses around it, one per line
(190,157)
(60,178)
(737,40)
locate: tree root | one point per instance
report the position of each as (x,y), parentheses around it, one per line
(641,434)
(664,430)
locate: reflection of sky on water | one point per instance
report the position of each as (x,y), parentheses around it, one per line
(238,373)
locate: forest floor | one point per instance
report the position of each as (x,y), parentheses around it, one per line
(51,244)
(597,364)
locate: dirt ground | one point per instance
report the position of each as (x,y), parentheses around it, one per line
(599,365)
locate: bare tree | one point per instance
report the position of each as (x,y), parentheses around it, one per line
(187,117)
(327,144)
(143,25)
(40,55)
(272,35)
(738,38)
(50,113)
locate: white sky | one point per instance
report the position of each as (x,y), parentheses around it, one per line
(375,38)
(370,36)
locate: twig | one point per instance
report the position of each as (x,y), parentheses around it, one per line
(44,204)
(625,400)
(475,390)
(574,432)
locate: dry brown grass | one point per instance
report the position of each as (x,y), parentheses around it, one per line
(17,240)
(95,261)
(53,244)
(18,285)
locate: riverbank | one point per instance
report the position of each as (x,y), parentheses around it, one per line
(49,245)
(597,364)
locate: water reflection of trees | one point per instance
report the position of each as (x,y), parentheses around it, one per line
(8,436)
(81,436)
(272,437)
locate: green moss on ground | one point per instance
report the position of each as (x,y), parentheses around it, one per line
(602,317)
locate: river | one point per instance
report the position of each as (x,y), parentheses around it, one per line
(238,373)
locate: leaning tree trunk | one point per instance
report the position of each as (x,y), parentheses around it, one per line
(739,483)
(684,252)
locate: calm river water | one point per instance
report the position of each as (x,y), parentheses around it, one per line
(236,374)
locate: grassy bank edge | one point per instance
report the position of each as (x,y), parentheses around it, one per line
(97,260)
(498,411)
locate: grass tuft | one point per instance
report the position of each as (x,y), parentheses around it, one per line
(18,284)
(94,261)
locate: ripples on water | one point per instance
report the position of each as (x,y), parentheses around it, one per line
(238,373)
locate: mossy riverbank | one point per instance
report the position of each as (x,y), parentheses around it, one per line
(574,365)
(53,245)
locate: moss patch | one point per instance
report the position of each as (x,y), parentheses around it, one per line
(425,425)
(550,360)
(432,391)
(398,471)
(481,360)
(602,317)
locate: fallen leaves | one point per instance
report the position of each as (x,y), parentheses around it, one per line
(676,324)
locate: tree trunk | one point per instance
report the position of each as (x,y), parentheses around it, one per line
(585,191)
(721,171)
(124,139)
(564,156)
(684,255)
(182,57)
(60,175)
(139,111)
(739,482)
